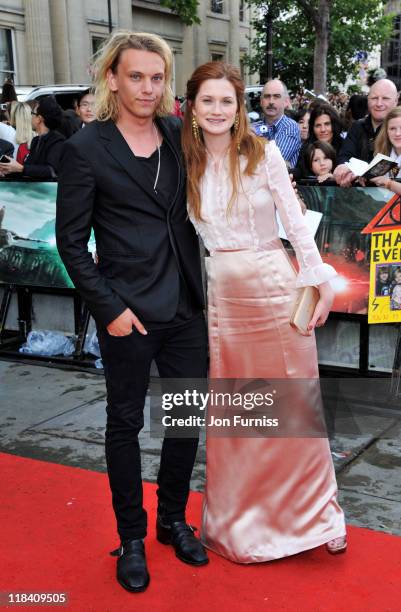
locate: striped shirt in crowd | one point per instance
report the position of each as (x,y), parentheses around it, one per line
(285,132)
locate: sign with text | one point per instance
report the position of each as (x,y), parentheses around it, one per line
(340,240)
(385,277)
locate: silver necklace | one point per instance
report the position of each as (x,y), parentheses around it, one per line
(158,163)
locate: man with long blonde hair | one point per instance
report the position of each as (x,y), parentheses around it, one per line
(123,176)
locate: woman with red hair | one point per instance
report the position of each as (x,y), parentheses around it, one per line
(265,498)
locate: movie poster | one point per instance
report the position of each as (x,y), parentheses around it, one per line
(28,252)
(341,244)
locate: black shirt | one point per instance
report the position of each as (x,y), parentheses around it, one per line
(166,186)
(360,141)
(168,175)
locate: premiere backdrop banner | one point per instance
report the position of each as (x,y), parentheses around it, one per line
(346,212)
(28,253)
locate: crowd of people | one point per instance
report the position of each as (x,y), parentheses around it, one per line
(32,134)
(316,136)
(332,131)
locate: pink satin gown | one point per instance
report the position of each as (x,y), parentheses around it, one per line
(265,498)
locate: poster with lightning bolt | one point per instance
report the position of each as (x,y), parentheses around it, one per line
(385,264)
(385,277)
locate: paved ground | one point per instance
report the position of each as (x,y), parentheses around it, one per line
(58,415)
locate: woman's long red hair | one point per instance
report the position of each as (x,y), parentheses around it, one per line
(250,145)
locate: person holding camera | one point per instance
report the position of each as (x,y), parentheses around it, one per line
(44,157)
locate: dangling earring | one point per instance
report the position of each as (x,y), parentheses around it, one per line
(235,131)
(195,130)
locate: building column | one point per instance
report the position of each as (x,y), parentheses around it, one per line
(79,42)
(71,44)
(61,51)
(201,46)
(187,60)
(39,52)
(234,46)
(124,15)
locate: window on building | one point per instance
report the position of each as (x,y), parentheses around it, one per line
(6,54)
(242,10)
(97,42)
(217,57)
(392,53)
(217,6)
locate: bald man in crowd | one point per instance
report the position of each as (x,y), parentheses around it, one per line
(275,125)
(360,141)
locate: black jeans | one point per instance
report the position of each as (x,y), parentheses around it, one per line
(179,352)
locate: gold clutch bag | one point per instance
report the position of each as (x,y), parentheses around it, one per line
(304,308)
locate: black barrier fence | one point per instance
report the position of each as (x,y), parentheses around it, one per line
(32,274)
(33,278)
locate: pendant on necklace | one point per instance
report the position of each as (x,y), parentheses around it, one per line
(158,155)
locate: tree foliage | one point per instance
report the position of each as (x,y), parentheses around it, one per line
(185,9)
(355,25)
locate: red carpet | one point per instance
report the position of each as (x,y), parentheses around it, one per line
(57,529)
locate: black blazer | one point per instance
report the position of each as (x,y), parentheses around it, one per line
(360,141)
(44,156)
(101,186)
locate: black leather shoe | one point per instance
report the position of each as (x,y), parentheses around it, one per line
(181,536)
(132,572)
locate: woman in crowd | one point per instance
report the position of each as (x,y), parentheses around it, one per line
(357,109)
(44,157)
(324,125)
(302,118)
(319,159)
(8,93)
(265,498)
(388,142)
(22,123)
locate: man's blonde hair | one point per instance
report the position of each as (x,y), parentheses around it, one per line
(108,58)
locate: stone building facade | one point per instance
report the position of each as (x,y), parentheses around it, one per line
(52,41)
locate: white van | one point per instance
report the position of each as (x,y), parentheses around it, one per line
(64,94)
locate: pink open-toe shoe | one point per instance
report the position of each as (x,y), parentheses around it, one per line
(337,546)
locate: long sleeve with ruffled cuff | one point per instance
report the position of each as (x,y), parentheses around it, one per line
(312,270)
